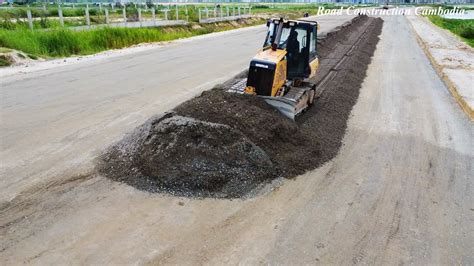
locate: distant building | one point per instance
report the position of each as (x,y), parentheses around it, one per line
(258,1)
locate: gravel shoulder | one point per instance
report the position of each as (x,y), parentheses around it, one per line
(452,58)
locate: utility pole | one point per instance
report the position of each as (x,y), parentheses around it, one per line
(30,18)
(88,18)
(60,14)
(124,15)
(177,13)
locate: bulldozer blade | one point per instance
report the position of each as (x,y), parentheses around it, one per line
(285,106)
(290,105)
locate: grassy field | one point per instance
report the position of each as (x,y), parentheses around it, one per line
(59,42)
(289,11)
(13,18)
(464,28)
(16,18)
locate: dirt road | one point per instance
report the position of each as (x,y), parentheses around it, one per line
(400,191)
(54,122)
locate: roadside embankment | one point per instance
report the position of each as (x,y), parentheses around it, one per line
(226,145)
(59,42)
(464,28)
(451,58)
(9,57)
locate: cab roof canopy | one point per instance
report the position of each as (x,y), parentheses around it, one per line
(291,22)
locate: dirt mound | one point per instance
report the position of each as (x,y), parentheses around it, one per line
(280,137)
(185,156)
(10,57)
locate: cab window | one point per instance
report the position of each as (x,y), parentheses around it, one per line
(312,45)
(270,35)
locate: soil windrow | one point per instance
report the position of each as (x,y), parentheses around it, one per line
(231,144)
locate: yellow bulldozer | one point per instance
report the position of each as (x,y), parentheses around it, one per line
(280,73)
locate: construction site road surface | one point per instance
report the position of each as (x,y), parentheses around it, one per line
(399,191)
(54,122)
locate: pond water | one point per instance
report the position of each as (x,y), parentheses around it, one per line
(469,14)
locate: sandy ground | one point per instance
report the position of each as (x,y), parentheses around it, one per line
(454,58)
(400,190)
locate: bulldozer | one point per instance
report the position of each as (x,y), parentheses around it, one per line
(280,73)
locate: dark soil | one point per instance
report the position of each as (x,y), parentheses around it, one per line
(327,120)
(237,142)
(279,137)
(188,155)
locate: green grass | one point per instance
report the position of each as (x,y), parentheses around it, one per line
(16,18)
(446,6)
(43,23)
(461,27)
(290,11)
(4,50)
(34,57)
(59,42)
(20,12)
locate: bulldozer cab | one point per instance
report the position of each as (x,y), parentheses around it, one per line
(298,39)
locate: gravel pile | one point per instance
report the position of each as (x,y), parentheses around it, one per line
(188,157)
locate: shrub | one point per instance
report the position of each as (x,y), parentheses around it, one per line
(59,42)
(467,31)
(7,24)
